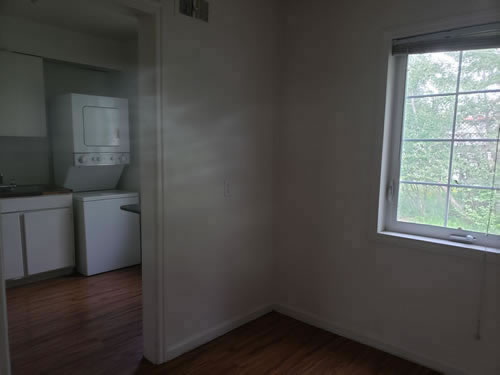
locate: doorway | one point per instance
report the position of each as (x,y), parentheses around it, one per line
(149,148)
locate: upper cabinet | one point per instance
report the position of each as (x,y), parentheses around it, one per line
(22,96)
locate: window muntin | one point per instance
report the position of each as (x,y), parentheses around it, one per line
(449,175)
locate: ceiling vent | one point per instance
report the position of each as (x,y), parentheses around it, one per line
(195,8)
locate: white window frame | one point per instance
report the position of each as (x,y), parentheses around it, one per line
(388,223)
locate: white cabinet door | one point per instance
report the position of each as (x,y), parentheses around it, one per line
(22,96)
(49,240)
(12,246)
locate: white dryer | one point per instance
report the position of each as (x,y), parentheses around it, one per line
(108,238)
(90,139)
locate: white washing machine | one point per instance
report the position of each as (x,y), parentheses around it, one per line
(91,145)
(108,238)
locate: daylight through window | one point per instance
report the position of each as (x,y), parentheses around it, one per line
(449,158)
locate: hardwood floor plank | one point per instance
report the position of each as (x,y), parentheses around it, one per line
(92,326)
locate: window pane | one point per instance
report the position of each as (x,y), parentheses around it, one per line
(474,163)
(478,116)
(497,172)
(469,209)
(480,70)
(422,204)
(425,161)
(432,73)
(495,216)
(429,118)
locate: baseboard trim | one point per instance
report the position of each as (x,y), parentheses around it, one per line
(355,336)
(39,277)
(197,340)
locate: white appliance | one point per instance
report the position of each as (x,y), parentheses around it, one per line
(90,136)
(108,238)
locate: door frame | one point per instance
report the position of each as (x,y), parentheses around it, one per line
(152,182)
(151,151)
(4,332)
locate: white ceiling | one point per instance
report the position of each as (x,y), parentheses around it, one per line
(77,15)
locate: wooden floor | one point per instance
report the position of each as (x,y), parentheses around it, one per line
(77,325)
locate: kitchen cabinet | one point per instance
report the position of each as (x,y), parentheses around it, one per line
(49,236)
(22,96)
(12,246)
(37,234)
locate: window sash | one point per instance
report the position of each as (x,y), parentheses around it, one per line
(391,223)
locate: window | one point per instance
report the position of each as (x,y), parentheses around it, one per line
(444,159)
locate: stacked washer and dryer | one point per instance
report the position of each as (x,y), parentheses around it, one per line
(91,147)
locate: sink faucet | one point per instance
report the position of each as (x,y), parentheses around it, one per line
(10,186)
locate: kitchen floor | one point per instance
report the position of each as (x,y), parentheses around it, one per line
(77,325)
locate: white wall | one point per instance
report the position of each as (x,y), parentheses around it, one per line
(126,87)
(218,82)
(420,301)
(62,78)
(25,160)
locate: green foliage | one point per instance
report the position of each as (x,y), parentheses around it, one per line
(470,210)
(478,116)
(473,162)
(429,118)
(422,204)
(425,161)
(480,70)
(432,73)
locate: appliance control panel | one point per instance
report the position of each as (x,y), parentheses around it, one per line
(100,158)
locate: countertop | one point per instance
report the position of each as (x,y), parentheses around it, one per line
(33,191)
(134,208)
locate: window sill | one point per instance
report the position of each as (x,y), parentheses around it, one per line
(436,241)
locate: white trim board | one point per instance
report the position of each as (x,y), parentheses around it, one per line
(370,341)
(212,333)
(152,179)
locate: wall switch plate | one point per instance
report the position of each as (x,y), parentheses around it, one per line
(227,189)
(194,8)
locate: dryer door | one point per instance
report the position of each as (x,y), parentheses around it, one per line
(101,126)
